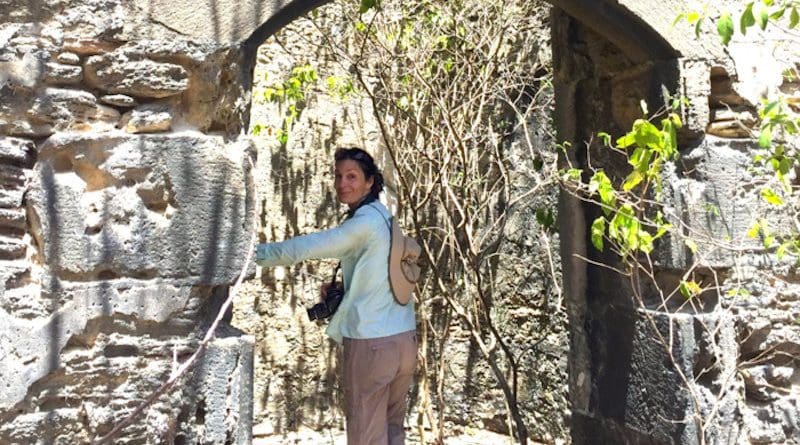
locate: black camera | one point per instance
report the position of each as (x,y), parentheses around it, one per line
(329,304)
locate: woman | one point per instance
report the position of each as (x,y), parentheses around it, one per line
(380,345)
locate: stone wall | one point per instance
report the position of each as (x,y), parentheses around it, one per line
(125,214)
(647,369)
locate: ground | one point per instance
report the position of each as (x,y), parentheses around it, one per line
(469,436)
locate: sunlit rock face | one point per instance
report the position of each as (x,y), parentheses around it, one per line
(126,212)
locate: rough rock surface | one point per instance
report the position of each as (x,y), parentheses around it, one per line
(126,211)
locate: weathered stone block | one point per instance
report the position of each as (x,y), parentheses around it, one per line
(14,218)
(87,46)
(94,17)
(69,58)
(32,346)
(224,379)
(119,100)
(715,196)
(61,109)
(13,126)
(147,119)
(223,22)
(62,105)
(45,426)
(12,177)
(171,206)
(650,370)
(11,249)
(57,73)
(765,383)
(116,73)
(16,151)
(11,196)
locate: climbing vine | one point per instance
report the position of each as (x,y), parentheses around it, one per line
(289,96)
(646,148)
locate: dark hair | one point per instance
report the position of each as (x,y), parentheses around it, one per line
(367,165)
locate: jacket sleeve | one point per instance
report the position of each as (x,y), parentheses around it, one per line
(338,242)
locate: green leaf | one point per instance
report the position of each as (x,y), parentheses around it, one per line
(676,120)
(626,141)
(598,229)
(573,174)
(782,249)
(785,165)
(691,245)
(602,185)
(632,180)
(662,230)
(640,158)
(646,134)
(763,19)
(747,20)
(366,5)
(690,289)
(605,137)
(613,231)
(753,231)
(794,18)
(725,28)
(545,217)
(283,137)
(778,13)
(645,241)
(771,197)
(769,108)
(765,138)
(594,185)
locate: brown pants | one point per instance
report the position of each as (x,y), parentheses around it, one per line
(377,374)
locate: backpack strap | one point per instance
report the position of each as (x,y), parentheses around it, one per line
(389,258)
(388,224)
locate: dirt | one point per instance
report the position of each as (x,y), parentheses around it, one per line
(469,436)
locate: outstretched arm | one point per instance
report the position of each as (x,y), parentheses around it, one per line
(337,242)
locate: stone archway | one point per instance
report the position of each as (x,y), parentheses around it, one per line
(626,387)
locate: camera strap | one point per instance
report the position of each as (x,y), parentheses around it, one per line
(335,271)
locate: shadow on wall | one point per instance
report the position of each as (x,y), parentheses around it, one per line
(106,252)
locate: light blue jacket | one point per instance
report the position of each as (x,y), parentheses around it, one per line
(361,243)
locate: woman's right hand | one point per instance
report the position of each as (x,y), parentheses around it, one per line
(324,291)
